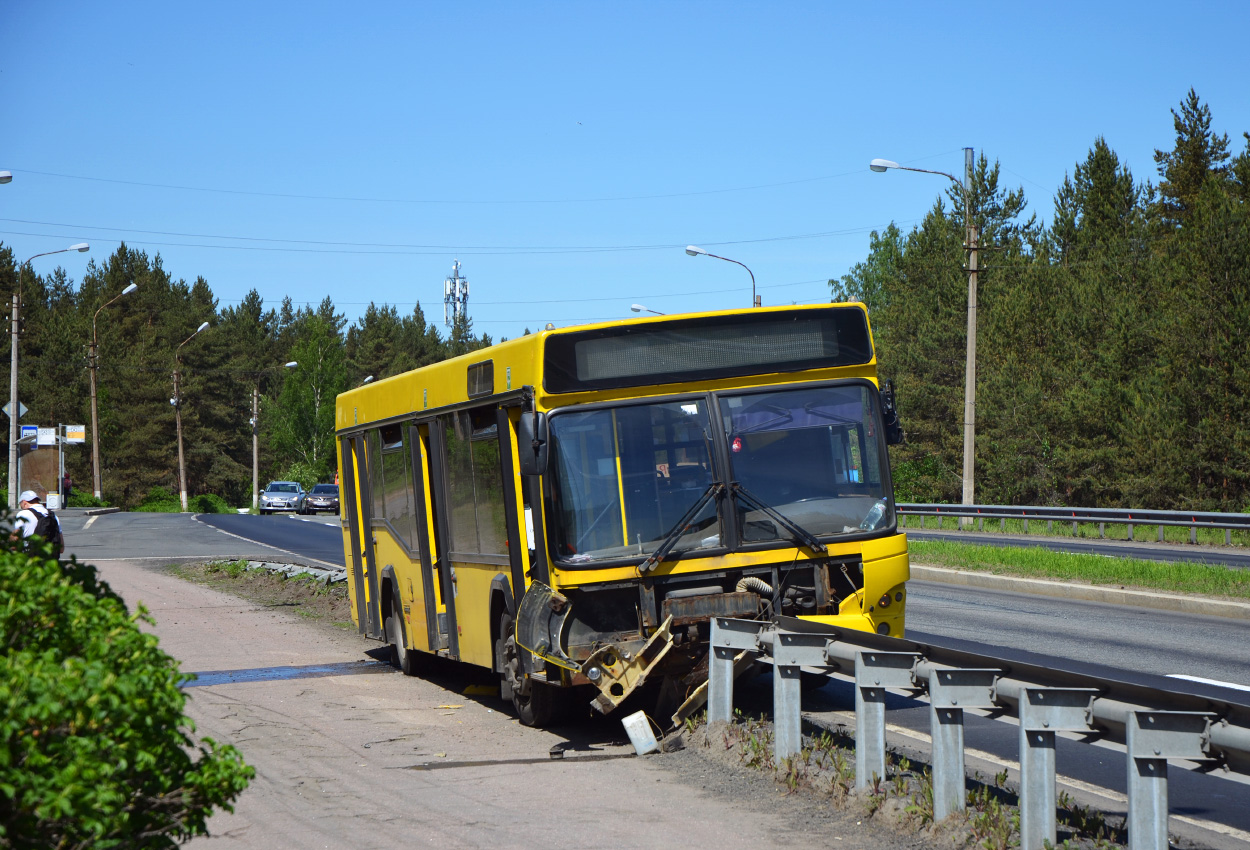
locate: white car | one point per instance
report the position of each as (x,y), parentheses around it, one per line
(283,496)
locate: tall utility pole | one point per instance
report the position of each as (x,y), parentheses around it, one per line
(176,401)
(256,433)
(455,296)
(95,413)
(970,366)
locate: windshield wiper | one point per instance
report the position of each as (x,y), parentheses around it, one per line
(682,526)
(810,407)
(800,534)
(782,416)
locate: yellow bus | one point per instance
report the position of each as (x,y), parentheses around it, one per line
(570,508)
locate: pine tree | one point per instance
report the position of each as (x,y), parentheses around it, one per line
(1196,155)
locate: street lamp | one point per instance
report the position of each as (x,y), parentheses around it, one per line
(638,308)
(6,176)
(256,432)
(696,251)
(95,415)
(176,401)
(14,406)
(970,364)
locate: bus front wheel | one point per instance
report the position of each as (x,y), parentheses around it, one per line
(535,703)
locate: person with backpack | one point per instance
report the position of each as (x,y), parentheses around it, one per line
(33,519)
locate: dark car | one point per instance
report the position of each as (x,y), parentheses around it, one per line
(282,496)
(322,497)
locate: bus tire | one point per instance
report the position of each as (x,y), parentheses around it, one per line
(408,660)
(536,704)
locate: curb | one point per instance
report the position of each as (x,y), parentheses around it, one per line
(1086,592)
(101,511)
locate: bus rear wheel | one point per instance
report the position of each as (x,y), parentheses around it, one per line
(408,660)
(535,703)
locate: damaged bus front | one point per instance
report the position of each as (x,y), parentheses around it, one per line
(767,499)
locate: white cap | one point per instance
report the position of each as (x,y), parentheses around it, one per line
(28,496)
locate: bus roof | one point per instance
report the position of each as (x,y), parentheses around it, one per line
(632,358)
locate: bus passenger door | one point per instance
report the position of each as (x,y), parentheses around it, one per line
(429,547)
(355,507)
(440,501)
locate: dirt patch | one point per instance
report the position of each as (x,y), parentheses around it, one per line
(818,786)
(313,599)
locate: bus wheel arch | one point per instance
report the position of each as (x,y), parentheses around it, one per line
(535,703)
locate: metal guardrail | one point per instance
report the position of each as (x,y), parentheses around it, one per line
(1193,520)
(1153,725)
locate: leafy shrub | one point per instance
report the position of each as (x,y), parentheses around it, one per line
(209,503)
(79,499)
(95,749)
(159,500)
(918,480)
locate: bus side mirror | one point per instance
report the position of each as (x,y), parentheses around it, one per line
(889,415)
(531,443)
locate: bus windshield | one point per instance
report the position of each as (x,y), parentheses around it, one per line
(813,455)
(625,477)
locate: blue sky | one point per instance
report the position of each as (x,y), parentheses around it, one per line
(565,153)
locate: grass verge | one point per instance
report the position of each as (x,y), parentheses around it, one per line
(1037,562)
(1143,532)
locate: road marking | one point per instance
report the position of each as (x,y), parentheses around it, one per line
(90,520)
(1203,681)
(304,559)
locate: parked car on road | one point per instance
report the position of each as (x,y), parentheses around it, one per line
(283,496)
(322,497)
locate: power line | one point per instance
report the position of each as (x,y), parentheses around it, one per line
(445,201)
(419,250)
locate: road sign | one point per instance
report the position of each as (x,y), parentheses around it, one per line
(21,409)
(45,437)
(75,434)
(29,431)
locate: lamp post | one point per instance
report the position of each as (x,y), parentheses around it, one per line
(638,308)
(256,433)
(176,401)
(970,364)
(95,414)
(696,251)
(14,406)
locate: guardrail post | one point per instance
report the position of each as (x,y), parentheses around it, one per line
(950,692)
(791,650)
(874,672)
(729,637)
(1153,737)
(1044,711)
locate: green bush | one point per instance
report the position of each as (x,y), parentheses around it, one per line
(160,500)
(209,503)
(80,499)
(95,749)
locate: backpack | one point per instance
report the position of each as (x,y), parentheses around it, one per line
(50,530)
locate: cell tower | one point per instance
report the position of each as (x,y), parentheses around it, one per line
(455,296)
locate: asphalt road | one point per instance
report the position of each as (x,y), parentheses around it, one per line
(317,537)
